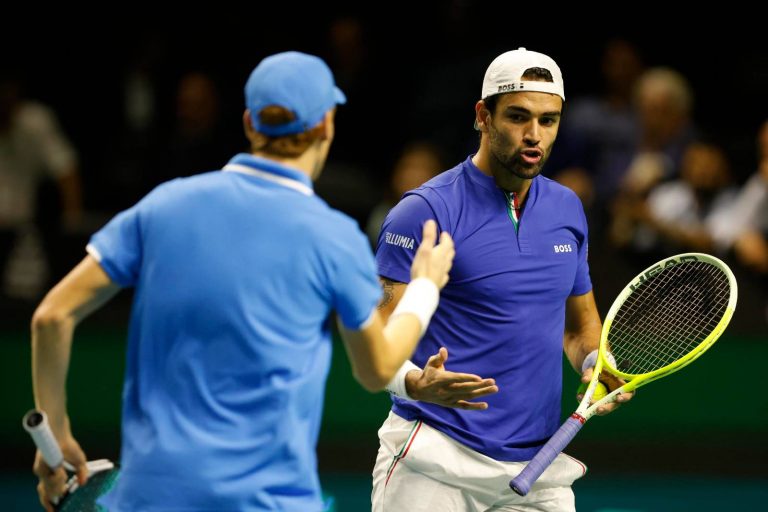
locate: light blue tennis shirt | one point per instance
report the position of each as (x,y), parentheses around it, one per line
(502,314)
(236,274)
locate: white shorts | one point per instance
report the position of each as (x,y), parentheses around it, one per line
(419,469)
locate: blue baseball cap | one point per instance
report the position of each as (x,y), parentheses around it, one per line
(299,82)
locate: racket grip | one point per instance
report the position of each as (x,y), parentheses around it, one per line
(36,423)
(523,482)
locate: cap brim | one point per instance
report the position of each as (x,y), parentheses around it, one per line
(339,96)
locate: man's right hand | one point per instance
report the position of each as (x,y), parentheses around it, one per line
(52,482)
(436,385)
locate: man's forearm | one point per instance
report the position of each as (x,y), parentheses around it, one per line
(582,328)
(51,348)
(578,344)
(81,292)
(392,292)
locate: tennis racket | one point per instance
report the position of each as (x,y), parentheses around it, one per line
(666,317)
(102,473)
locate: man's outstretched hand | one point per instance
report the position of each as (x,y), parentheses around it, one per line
(439,386)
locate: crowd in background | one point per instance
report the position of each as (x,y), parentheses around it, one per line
(653,180)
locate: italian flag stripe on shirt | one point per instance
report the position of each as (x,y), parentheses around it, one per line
(513,208)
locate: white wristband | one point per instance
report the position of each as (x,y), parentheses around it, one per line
(420,298)
(591,360)
(397,385)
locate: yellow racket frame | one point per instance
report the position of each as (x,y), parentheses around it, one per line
(634,381)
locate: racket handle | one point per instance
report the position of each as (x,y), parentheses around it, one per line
(36,423)
(523,482)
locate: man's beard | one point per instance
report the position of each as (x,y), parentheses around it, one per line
(514,164)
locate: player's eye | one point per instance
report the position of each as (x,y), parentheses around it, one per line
(547,121)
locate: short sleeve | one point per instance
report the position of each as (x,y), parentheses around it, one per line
(400,236)
(356,288)
(119,246)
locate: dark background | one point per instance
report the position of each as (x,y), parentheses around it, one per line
(419,78)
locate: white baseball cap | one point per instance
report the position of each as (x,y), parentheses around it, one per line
(505,74)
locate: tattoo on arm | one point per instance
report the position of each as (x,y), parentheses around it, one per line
(388,286)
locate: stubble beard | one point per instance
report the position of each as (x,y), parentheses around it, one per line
(515,165)
(511,164)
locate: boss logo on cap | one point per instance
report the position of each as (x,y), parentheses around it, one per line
(515,86)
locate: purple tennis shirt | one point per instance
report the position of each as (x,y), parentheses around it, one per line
(502,315)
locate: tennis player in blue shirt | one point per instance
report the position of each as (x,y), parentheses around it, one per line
(236,274)
(520,281)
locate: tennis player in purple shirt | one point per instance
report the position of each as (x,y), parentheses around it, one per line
(519,281)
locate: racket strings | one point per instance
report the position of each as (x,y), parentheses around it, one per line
(667,316)
(648,353)
(676,324)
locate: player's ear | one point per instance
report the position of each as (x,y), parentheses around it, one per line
(248,124)
(482,116)
(327,125)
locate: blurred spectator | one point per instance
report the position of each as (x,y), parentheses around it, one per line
(577,179)
(600,130)
(664,103)
(681,214)
(33,149)
(418,163)
(137,142)
(198,142)
(745,229)
(354,171)
(350,60)
(346,38)
(663,100)
(631,149)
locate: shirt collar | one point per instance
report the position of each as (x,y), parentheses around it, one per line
(270,170)
(487,182)
(478,176)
